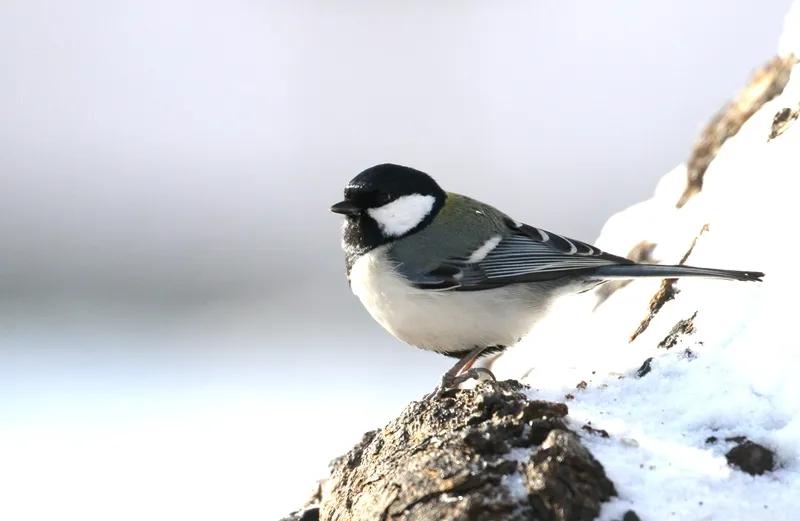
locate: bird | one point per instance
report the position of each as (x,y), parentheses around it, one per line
(447,273)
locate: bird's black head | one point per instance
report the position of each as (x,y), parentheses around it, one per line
(384,203)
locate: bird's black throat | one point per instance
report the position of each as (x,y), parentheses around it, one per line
(362,233)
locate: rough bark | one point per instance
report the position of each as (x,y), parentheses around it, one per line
(486,453)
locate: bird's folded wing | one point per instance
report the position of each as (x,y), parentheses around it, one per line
(522,254)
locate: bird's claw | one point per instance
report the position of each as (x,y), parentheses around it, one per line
(450,381)
(476,373)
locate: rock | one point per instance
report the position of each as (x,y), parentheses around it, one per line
(485,453)
(751,457)
(593,430)
(645,367)
(681,328)
(782,120)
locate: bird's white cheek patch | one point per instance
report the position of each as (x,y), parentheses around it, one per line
(403,214)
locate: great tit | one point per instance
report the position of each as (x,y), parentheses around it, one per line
(450,274)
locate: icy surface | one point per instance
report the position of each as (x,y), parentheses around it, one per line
(736,375)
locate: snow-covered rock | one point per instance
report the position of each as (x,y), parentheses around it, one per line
(687,392)
(487,453)
(725,365)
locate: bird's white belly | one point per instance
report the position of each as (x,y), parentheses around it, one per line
(445,321)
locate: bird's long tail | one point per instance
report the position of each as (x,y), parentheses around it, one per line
(630,271)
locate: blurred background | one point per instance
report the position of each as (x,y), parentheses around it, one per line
(177,338)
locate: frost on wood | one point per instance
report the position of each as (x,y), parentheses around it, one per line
(485,453)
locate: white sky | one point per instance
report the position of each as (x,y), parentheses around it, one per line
(183,150)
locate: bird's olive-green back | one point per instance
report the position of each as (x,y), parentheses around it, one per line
(461,226)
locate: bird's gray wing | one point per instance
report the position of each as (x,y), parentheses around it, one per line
(520,253)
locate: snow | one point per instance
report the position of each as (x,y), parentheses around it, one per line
(514,481)
(736,375)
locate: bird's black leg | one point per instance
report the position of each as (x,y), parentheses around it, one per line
(463,370)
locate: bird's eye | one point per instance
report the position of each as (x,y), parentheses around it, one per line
(373,198)
(383,199)
(369,198)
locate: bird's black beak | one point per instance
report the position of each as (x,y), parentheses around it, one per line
(346,208)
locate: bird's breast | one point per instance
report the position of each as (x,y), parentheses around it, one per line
(444,321)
